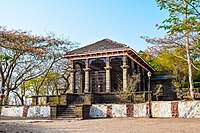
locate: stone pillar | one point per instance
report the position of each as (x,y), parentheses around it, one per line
(138,72)
(108,82)
(71,71)
(133,67)
(87,77)
(125,73)
(143,80)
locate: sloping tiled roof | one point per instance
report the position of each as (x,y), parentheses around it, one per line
(102,45)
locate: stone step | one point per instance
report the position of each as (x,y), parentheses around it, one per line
(66,117)
(70,116)
(65,110)
(65,114)
(69,119)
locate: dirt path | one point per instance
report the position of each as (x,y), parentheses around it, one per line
(114,125)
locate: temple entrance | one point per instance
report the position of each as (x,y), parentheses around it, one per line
(97,81)
(116,74)
(97,75)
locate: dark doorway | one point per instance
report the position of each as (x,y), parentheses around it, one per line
(97,75)
(97,81)
(116,73)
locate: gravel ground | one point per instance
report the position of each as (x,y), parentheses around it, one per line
(113,125)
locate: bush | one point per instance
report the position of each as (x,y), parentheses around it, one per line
(196,84)
(186,84)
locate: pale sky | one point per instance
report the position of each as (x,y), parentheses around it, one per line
(86,21)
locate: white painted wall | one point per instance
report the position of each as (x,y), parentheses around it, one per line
(12,111)
(38,111)
(33,111)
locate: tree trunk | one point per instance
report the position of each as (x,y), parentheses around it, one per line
(188,56)
(6,98)
(22,100)
(189,70)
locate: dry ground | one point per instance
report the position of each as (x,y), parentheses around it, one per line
(113,125)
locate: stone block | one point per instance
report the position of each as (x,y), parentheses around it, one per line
(34,100)
(63,99)
(98,111)
(119,110)
(189,109)
(86,111)
(79,111)
(140,110)
(155,109)
(12,111)
(53,111)
(165,109)
(88,99)
(42,100)
(38,111)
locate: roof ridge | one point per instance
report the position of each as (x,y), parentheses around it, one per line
(104,44)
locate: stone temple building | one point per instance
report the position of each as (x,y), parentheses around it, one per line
(99,73)
(105,66)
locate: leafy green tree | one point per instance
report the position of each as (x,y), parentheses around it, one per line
(25,56)
(50,86)
(182,28)
(165,61)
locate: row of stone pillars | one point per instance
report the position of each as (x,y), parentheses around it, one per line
(108,76)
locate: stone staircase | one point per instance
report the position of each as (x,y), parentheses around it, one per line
(66,111)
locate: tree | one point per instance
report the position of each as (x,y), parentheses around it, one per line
(127,94)
(165,62)
(50,86)
(182,28)
(25,57)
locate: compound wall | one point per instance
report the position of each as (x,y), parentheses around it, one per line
(162,109)
(159,109)
(25,111)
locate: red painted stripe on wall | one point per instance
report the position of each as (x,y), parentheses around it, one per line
(25,111)
(147,109)
(0,110)
(174,109)
(109,111)
(129,110)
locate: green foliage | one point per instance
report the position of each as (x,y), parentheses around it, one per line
(186,84)
(178,9)
(45,84)
(24,57)
(125,95)
(166,61)
(148,59)
(5,57)
(56,100)
(196,84)
(178,51)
